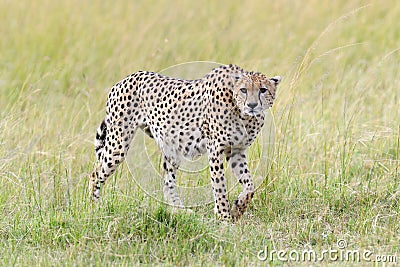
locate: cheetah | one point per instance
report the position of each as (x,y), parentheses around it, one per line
(220,114)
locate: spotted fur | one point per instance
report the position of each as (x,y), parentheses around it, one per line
(220,114)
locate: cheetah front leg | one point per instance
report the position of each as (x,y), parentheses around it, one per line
(215,158)
(241,171)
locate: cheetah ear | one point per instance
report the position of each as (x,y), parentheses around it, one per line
(236,77)
(276,80)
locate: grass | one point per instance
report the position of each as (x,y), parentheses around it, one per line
(335,174)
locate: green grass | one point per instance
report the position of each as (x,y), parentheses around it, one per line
(336,170)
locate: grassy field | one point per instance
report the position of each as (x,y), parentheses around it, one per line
(335,174)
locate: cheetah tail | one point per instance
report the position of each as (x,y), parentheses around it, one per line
(100,139)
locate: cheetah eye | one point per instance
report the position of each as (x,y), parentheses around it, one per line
(243,90)
(263,90)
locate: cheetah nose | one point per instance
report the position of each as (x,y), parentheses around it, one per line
(252,105)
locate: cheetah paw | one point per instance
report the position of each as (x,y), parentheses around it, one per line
(235,212)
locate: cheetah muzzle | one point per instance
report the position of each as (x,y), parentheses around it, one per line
(221,114)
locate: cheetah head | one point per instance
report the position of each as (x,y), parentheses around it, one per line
(254,92)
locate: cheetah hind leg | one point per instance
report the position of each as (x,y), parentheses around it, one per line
(169,188)
(111,153)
